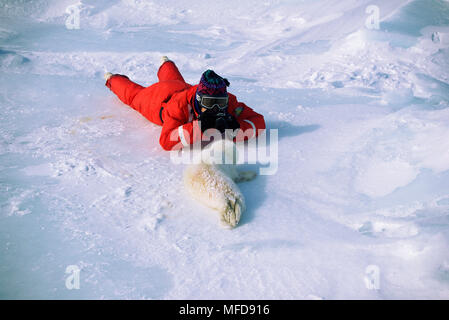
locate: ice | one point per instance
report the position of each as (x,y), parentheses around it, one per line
(363,170)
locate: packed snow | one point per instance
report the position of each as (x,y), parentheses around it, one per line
(357,209)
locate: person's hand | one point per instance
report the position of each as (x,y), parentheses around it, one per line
(221,123)
(232,123)
(207,120)
(226,121)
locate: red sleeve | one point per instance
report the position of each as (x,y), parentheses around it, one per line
(124,88)
(177,131)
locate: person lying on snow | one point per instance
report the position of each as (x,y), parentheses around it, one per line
(186,111)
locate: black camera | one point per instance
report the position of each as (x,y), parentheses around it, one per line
(221,123)
(218,120)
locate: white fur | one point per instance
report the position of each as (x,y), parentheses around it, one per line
(214,184)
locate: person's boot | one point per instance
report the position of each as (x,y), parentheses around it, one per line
(107,75)
(164,59)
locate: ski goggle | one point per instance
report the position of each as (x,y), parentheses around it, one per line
(211,102)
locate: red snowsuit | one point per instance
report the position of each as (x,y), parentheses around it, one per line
(169,103)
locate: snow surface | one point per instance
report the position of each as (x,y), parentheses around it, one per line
(363,177)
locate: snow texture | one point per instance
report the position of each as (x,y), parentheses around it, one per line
(363,174)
